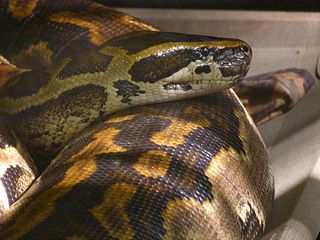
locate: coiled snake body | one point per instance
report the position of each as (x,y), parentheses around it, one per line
(191,169)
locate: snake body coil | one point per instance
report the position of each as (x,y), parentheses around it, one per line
(192,169)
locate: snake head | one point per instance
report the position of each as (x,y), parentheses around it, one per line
(180,66)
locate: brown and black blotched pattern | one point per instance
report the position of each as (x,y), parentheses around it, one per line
(194,169)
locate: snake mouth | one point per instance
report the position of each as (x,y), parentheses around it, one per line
(178,86)
(202,85)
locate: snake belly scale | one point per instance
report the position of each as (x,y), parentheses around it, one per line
(180,169)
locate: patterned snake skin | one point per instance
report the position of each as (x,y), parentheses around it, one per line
(190,169)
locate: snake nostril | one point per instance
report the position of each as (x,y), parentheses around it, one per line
(245,49)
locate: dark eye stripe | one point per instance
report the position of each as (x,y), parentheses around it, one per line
(153,68)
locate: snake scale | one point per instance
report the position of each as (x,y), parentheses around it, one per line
(181,160)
